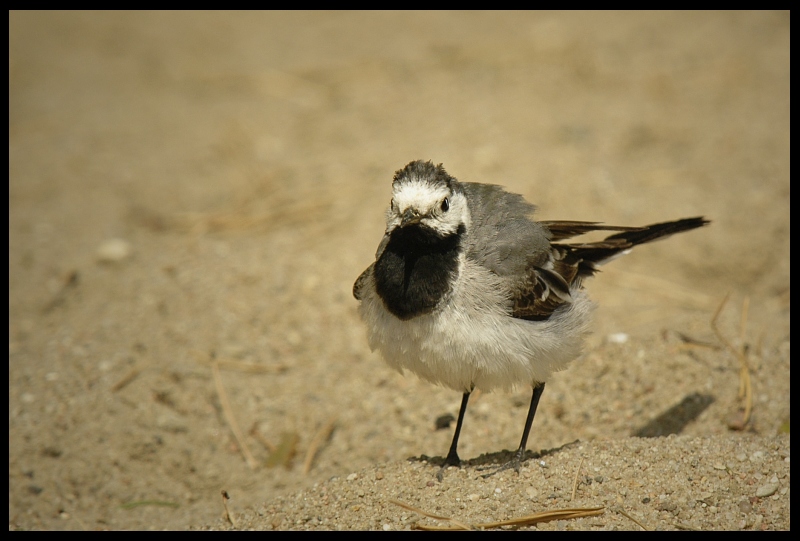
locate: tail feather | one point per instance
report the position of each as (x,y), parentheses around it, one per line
(543,290)
(587,256)
(661,230)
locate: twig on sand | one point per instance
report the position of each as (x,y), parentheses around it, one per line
(575,481)
(528,520)
(316,442)
(228,411)
(228,515)
(745,385)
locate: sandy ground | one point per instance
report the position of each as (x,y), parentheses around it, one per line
(191,197)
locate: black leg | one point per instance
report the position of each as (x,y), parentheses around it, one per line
(537,394)
(452,455)
(516,462)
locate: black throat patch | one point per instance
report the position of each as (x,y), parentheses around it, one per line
(415,270)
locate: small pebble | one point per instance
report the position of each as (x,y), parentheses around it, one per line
(618,338)
(114,251)
(767,490)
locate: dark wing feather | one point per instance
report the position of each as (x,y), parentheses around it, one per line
(564,229)
(661,230)
(361,282)
(544,288)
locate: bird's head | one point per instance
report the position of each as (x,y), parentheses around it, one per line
(424,195)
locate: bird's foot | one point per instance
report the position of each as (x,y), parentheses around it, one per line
(451,460)
(515,463)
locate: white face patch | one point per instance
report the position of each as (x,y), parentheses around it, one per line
(426,200)
(420,196)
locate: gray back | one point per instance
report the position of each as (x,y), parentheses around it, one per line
(502,237)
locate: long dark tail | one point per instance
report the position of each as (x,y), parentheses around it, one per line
(653,232)
(589,255)
(548,288)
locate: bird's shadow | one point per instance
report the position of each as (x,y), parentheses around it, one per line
(675,418)
(488,460)
(671,421)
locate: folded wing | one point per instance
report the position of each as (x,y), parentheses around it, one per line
(545,287)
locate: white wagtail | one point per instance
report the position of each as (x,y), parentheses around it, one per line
(468,292)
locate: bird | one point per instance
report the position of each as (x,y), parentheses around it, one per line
(469,292)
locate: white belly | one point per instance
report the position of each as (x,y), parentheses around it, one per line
(471,342)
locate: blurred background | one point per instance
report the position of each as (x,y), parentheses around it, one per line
(192,195)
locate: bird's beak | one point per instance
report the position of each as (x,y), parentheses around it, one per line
(410,217)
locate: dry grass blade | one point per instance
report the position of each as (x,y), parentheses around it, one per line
(147,503)
(256,433)
(252,368)
(575,481)
(459,525)
(745,385)
(528,520)
(653,285)
(319,438)
(129,377)
(239,366)
(284,451)
(70,282)
(690,342)
(228,411)
(626,515)
(228,515)
(238,219)
(546,516)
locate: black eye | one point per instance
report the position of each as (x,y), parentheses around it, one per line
(445,204)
